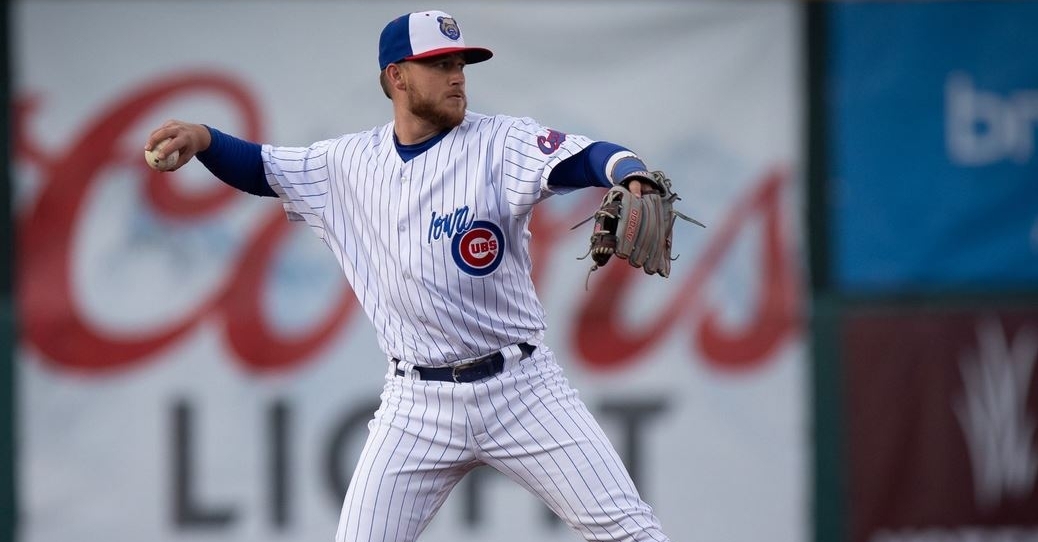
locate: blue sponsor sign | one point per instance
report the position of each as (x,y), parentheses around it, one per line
(932,114)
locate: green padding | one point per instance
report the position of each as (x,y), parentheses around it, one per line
(8,504)
(829,505)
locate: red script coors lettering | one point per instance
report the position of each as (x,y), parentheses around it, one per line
(67,340)
(59,330)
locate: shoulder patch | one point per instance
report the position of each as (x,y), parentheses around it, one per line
(550,142)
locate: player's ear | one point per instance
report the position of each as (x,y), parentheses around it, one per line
(395,77)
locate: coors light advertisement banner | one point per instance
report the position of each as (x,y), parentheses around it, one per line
(192,366)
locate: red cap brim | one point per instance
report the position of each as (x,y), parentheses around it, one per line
(471,55)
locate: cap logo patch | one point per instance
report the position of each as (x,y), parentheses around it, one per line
(449,28)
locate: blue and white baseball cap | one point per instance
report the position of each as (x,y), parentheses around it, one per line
(422,35)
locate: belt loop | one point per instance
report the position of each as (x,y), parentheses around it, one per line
(514,354)
(408,368)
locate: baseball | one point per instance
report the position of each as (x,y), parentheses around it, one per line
(162,165)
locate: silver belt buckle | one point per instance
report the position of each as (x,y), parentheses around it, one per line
(454,373)
(465,366)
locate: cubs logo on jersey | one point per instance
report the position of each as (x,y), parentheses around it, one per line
(477,246)
(449,28)
(479,250)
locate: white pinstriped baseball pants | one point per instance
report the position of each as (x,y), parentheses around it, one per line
(527,422)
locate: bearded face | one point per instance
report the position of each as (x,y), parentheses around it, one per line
(434,90)
(444,109)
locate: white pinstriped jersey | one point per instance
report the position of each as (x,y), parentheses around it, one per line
(435,248)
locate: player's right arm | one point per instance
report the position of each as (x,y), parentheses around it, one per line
(234,161)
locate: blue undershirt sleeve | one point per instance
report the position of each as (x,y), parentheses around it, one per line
(589,167)
(236,162)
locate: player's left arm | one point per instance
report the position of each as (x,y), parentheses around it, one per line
(538,162)
(602,164)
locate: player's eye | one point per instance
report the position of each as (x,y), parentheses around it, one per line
(449,64)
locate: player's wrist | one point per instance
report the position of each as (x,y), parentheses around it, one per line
(625,166)
(204,136)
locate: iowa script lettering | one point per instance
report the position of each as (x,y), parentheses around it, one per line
(52,324)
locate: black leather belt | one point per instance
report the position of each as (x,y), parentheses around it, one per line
(477,369)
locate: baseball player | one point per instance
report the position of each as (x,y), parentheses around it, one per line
(427,216)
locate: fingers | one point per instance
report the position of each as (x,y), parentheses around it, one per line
(174,135)
(635,186)
(639,187)
(169,129)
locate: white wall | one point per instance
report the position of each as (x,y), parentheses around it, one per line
(707,91)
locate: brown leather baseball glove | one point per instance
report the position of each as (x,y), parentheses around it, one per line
(638,230)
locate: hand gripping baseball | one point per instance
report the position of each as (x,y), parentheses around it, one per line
(636,229)
(174,144)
